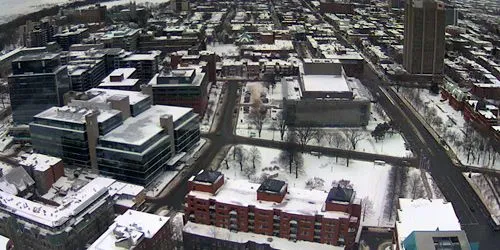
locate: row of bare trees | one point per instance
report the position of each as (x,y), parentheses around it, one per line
(476,148)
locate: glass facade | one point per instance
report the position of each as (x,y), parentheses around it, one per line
(187,132)
(138,164)
(61,139)
(31,94)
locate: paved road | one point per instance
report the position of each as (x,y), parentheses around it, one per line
(224,130)
(470,211)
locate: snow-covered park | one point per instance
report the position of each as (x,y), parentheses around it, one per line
(392,143)
(470,147)
(371,181)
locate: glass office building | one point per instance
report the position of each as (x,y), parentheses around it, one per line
(37,83)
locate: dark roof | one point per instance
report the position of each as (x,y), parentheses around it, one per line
(271,185)
(340,194)
(37,57)
(207,176)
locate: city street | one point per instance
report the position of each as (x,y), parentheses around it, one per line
(470,211)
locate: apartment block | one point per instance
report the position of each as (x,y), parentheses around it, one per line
(274,209)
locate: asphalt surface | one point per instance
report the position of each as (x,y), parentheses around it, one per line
(472,214)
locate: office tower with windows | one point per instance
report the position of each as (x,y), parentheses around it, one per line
(424,33)
(38,82)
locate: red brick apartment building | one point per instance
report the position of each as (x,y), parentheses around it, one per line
(274,209)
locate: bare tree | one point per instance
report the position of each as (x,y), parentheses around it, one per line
(367,207)
(280,124)
(255,156)
(226,162)
(258,115)
(241,157)
(353,136)
(319,135)
(468,143)
(289,153)
(337,140)
(305,135)
(416,188)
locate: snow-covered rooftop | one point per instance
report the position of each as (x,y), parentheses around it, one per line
(325,83)
(51,216)
(139,129)
(243,237)
(123,193)
(132,226)
(104,94)
(39,162)
(75,114)
(296,201)
(125,72)
(425,215)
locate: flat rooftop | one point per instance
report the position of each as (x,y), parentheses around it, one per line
(52,216)
(139,129)
(104,94)
(431,214)
(198,78)
(296,201)
(39,162)
(325,83)
(133,226)
(74,114)
(36,57)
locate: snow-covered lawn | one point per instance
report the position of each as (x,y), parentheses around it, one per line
(367,178)
(393,144)
(482,187)
(452,129)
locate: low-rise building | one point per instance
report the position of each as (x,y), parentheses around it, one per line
(72,224)
(274,209)
(136,230)
(428,224)
(44,169)
(323,97)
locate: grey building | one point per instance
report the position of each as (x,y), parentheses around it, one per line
(424,32)
(73,35)
(37,83)
(323,97)
(120,133)
(86,74)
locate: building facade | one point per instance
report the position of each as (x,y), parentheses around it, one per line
(70,225)
(308,215)
(38,82)
(424,31)
(186,87)
(323,96)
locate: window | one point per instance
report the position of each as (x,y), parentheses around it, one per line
(446,243)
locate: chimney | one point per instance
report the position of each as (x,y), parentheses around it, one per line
(92,128)
(167,123)
(121,103)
